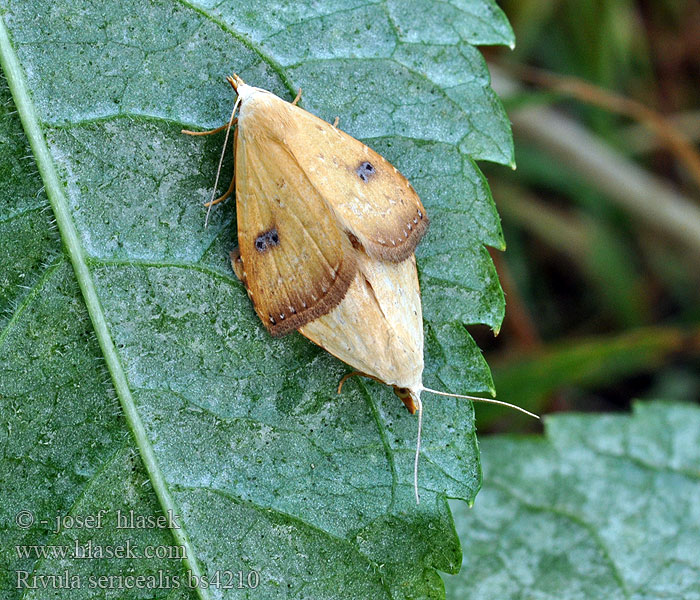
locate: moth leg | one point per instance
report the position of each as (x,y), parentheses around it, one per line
(237,263)
(353,374)
(225,195)
(404,394)
(210,131)
(335,123)
(296,100)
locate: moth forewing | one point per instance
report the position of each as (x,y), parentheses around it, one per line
(297,264)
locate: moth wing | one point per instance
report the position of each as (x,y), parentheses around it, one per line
(369,196)
(294,260)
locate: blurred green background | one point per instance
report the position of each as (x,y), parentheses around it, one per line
(602,214)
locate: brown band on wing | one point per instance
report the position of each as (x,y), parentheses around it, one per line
(399,248)
(326,302)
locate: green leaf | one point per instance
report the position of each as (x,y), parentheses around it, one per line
(133,371)
(604,506)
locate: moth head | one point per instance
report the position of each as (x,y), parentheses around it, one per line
(241,87)
(235,81)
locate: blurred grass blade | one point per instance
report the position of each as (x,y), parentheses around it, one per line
(530,380)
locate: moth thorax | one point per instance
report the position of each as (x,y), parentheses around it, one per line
(263,116)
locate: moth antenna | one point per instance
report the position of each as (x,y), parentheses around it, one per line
(415,461)
(221,159)
(486,400)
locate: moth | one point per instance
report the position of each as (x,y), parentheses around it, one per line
(327,229)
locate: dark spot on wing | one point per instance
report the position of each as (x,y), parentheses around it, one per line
(365,170)
(267,239)
(353,240)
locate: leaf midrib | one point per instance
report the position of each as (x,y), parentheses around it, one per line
(69,234)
